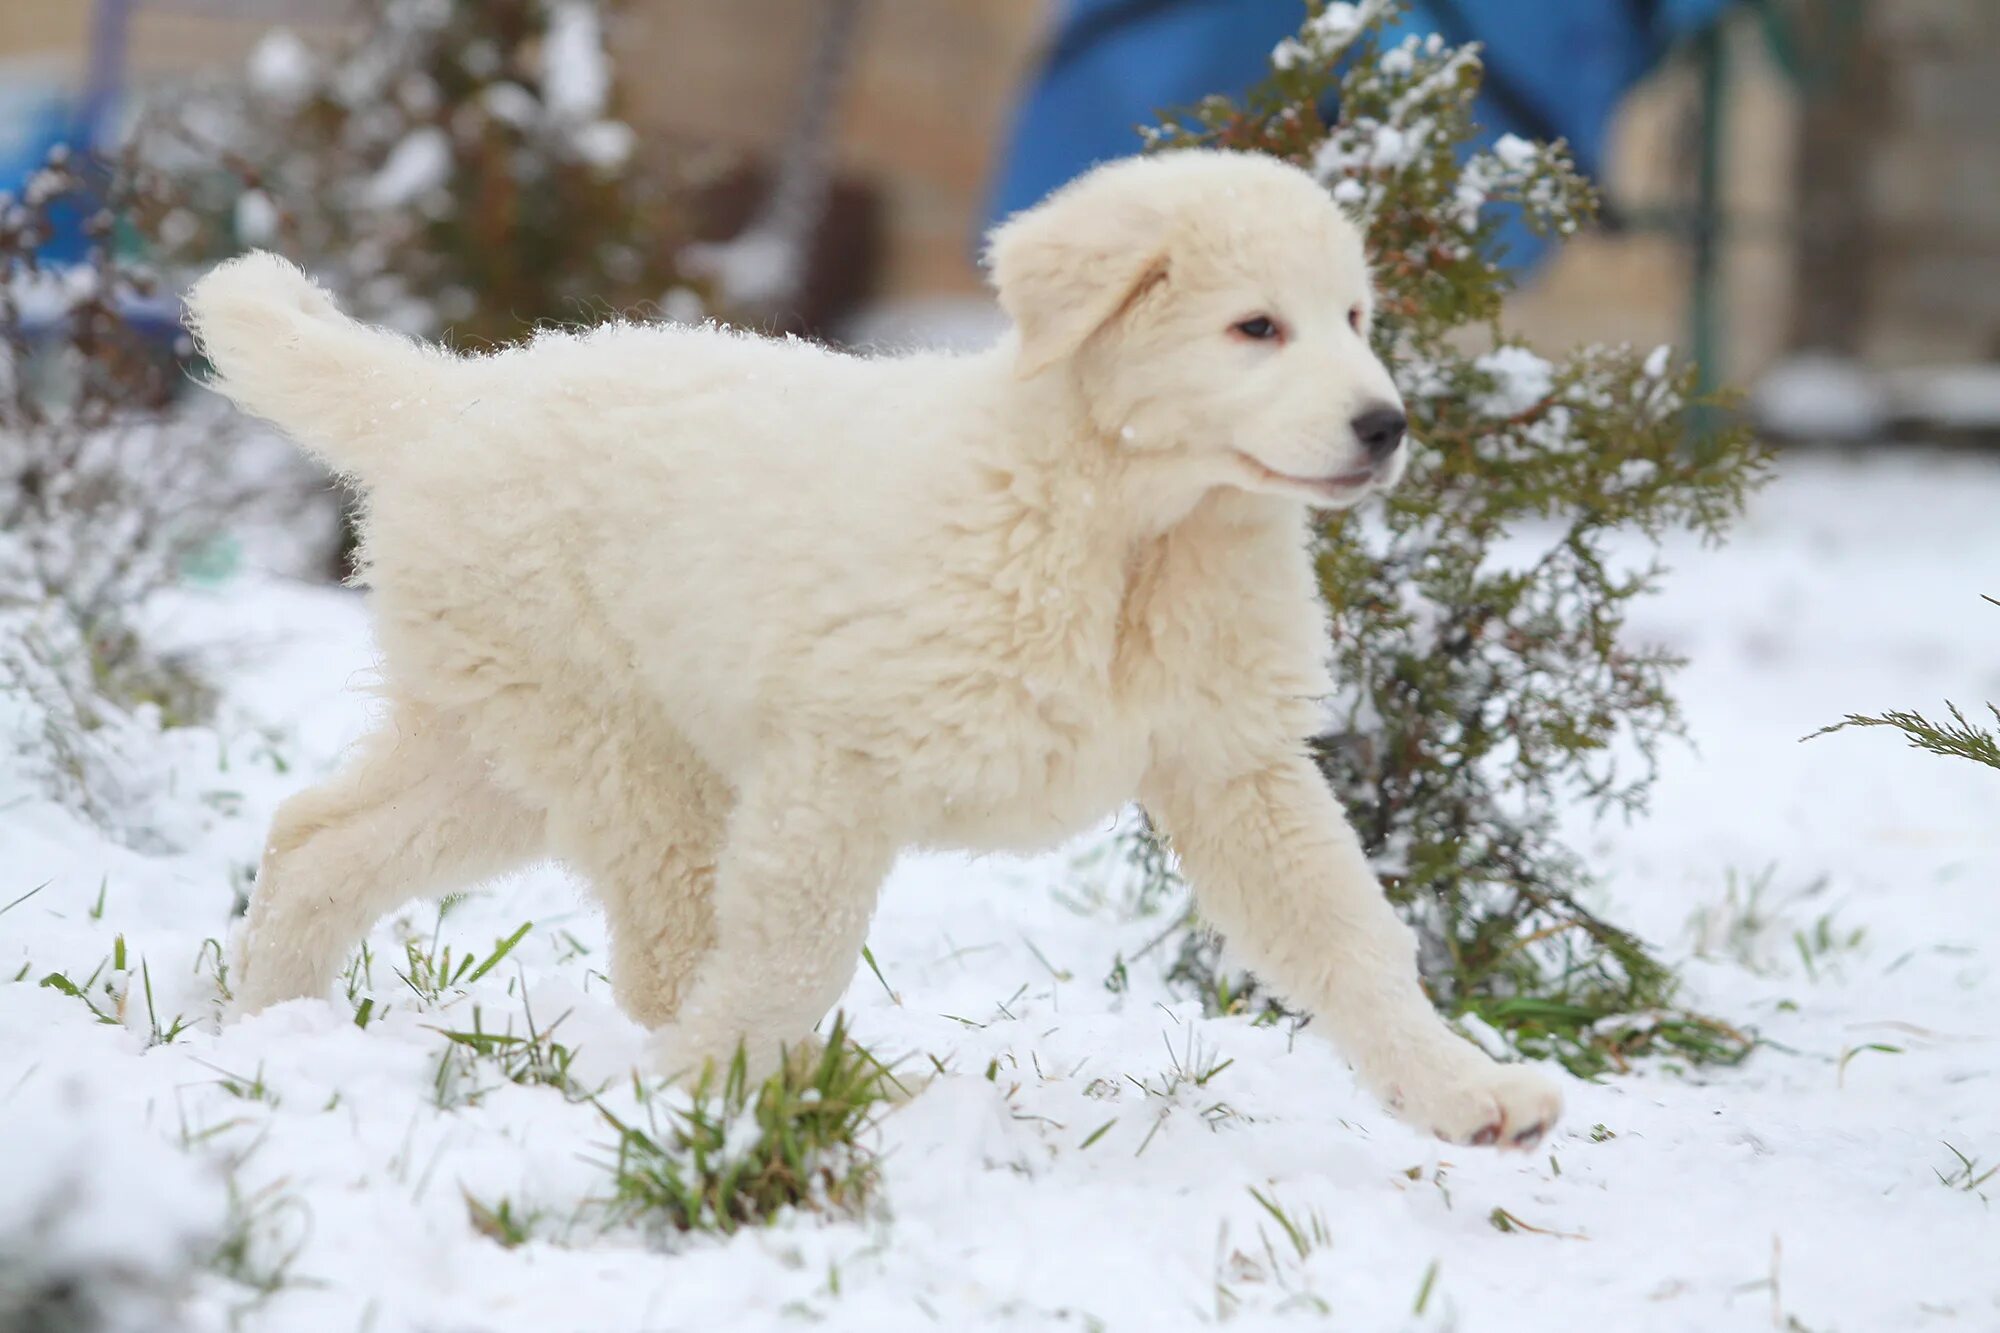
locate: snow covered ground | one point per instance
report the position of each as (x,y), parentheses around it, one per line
(1057,1174)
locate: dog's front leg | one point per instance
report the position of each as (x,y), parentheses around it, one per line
(1278,870)
(794,891)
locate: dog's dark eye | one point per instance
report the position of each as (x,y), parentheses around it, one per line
(1354,319)
(1258,328)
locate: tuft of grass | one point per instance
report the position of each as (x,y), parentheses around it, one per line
(111,981)
(1848,1055)
(533,1059)
(60,982)
(500,1222)
(1504,1221)
(215,959)
(265,1233)
(738,1154)
(1823,941)
(1966,1175)
(1752,925)
(430,971)
(1305,1234)
(1281,1267)
(251,1089)
(1425,1288)
(155,1034)
(1738,926)
(10,906)
(359,983)
(1184,1084)
(868,957)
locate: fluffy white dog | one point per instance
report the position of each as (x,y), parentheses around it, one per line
(726,623)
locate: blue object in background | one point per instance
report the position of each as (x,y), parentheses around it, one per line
(1554,69)
(30,126)
(33,121)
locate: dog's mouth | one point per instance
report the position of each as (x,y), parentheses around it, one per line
(1342,488)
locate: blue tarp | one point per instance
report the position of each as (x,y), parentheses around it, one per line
(31,125)
(1554,69)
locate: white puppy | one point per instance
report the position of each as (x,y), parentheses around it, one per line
(726,623)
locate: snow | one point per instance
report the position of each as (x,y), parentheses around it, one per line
(95,1204)
(1956,397)
(605,144)
(418,164)
(576,74)
(1800,1186)
(256,218)
(682,305)
(1516,153)
(1290,53)
(281,67)
(755,269)
(1326,35)
(1520,380)
(511,104)
(1339,23)
(1822,396)
(1818,396)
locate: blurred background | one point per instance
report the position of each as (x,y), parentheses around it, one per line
(1802,193)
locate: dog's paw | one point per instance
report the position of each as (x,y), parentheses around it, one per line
(241,996)
(1482,1104)
(258,979)
(688,1058)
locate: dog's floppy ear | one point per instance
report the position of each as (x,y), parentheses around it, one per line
(1066,267)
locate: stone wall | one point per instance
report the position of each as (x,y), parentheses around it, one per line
(1930,193)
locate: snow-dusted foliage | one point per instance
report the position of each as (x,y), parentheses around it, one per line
(1957,738)
(453,168)
(107,488)
(1490,682)
(114,486)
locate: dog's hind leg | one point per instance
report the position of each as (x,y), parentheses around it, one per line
(794,891)
(414,812)
(644,822)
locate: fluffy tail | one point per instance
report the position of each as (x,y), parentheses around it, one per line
(283,351)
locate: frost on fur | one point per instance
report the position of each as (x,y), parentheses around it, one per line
(1478,618)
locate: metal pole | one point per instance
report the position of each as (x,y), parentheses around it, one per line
(1712,51)
(110,26)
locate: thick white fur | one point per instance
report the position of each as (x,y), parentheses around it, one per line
(725,623)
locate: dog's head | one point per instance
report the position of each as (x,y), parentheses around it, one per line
(1212,304)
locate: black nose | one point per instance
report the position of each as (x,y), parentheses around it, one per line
(1380,429)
